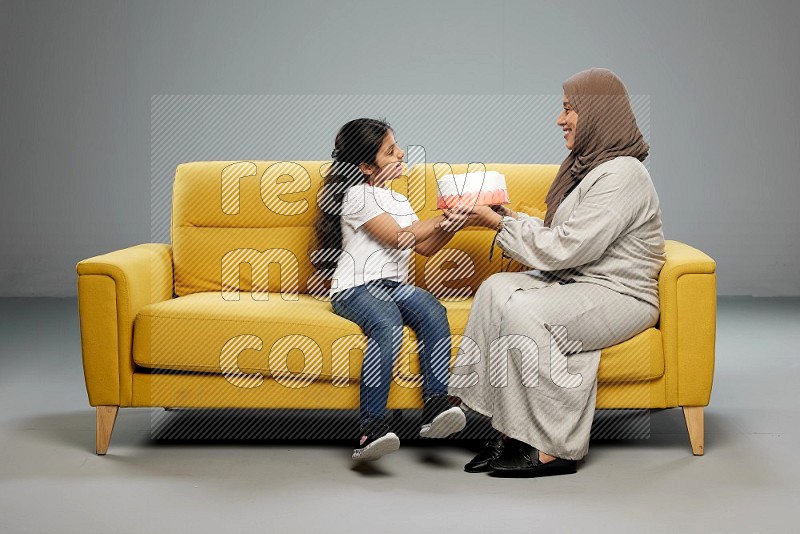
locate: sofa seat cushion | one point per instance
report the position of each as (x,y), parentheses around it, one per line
(639,358)
(203,332)
(302,340)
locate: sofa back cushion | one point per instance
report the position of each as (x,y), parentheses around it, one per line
(236,223)
(248,226)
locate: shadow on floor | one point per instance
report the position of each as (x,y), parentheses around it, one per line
(258,428)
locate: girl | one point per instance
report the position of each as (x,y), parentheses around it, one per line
(371,231)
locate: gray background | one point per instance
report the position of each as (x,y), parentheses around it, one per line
(719,79)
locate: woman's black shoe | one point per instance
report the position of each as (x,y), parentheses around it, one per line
(520,460)
(491,451)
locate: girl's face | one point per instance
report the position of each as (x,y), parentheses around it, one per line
(388,162)
(568,120)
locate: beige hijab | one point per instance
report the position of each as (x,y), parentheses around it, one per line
(606,129)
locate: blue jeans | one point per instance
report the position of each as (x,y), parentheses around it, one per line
(381,308)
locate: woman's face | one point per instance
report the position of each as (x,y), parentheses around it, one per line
(388,162)
(568,120)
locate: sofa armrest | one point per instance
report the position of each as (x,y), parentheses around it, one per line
(112,288)
(687,287)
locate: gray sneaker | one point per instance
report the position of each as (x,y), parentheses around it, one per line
(376,440)
(440,418)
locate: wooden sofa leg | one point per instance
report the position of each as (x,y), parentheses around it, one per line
(695,426)
(106,415)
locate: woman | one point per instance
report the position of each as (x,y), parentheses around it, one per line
(595,258)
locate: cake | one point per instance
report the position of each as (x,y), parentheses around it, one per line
(472,189)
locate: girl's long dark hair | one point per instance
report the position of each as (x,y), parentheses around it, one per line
(357,142)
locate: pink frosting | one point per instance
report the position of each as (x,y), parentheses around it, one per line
(483,198)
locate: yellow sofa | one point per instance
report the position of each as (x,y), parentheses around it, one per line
(233,313)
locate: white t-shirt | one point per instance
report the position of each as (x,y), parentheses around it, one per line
(364,258)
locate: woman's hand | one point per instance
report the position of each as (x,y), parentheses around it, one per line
(503,211)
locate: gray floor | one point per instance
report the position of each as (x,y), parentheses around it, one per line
(50,480)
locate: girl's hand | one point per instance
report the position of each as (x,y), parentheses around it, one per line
(462,216)
(454,220)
